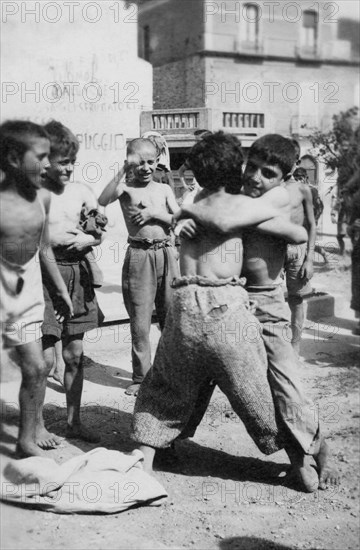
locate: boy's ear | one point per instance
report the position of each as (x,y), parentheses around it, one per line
(14,159)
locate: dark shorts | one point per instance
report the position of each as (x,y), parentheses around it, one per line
(87,314)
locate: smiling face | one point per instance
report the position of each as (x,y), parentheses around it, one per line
(35,161)
(143,162)
(59,172)
(260,177)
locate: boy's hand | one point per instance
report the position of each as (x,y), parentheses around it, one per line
(79,240)
(64,307)
(307,270)
(190,230)
(141,216)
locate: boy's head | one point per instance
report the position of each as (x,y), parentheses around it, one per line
(141,157)
(24,150)
(300,174)
(216,161)
(270,162)
(64,147)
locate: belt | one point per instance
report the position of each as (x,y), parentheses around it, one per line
(205,281)
(149,244)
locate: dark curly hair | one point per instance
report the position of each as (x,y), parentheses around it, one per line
(217,162)
(62,140)
(275,150)
(16,137)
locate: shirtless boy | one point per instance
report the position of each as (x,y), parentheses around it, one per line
(24,209)
(150,262)
(270,160)
(208,300)
(70,246)
(299,260)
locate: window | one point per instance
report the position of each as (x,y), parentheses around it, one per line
(310,29)
(146,42)
(251,19)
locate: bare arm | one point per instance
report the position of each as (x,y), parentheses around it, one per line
(113,190)
(284,229)
(307,269)
(243,211)
(48,261)
(79,240)
(181,173)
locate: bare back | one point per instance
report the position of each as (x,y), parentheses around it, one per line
(152,195)
(213,255)
(264,257)
(21,225)
(296,192)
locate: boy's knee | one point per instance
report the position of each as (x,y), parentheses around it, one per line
(34,371)
(73,356)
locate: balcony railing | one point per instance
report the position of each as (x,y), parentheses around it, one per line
(179,122)
(171,121)
(243,120)
(179,125)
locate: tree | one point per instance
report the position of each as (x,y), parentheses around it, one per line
(339,149)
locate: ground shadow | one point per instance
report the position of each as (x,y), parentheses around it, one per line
(251,543)
(192,459)
(105,375)
(56,386)
(111,423)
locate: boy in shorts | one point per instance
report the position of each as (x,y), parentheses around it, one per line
(24,150)
(70,245)
(150,262)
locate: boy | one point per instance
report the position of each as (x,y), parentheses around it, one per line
(150,262)
(270,161)
(300,174)
(298,265)
(70,247)
(209,300)
(24,150)
(198,134)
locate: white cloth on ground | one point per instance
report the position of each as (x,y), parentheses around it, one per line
(100,481)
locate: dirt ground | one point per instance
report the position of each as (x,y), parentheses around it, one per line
(223,493)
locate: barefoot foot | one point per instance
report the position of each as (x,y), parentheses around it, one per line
(79,432)
(133,389)
(328,475)
(303,473)
(46,440)
(25,449)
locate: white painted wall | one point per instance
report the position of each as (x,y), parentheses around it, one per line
(77,62)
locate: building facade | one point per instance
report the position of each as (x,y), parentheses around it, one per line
(250,68)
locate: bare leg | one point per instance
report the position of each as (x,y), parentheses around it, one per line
(321,250)
(149,454)
(45,439)
(328,475)
(31,397)
(296,305)
(73,381)
(59,366)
